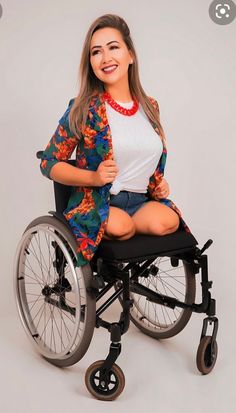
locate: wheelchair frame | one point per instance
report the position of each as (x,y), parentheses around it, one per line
(125,280)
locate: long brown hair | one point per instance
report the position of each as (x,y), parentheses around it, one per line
(90,84)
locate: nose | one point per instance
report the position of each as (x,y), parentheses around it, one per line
(106,58)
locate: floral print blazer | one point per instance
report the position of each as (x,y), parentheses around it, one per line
(88,207)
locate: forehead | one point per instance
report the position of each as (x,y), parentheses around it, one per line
(102,36)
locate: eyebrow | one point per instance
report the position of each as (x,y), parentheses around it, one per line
(112,41)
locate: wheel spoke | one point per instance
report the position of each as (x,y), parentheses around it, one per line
(166,281)
(53,317)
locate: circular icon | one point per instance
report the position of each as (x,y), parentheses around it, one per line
(0,10)
(222,12)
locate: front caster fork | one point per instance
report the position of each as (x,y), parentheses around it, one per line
(117,329)
(114,352)
(206,322)
(104,379)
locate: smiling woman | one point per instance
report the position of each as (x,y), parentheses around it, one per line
(118,180)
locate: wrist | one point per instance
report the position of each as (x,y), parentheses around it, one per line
(92,178)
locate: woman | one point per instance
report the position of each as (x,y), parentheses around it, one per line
(120,147)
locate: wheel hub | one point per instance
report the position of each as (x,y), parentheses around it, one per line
(60,287)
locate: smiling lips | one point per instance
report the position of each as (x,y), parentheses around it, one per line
(109,69)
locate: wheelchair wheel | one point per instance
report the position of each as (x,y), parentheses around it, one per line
(160,321)
(55,308)
(206,355)
(104,388)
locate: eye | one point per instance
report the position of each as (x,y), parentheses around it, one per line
(112,47)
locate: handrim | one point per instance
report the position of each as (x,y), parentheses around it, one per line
(72,333)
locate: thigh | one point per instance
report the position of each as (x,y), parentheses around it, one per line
(129,201)
(155,218)
(119,223)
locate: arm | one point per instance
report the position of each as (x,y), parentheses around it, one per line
(59,149)
(67,174)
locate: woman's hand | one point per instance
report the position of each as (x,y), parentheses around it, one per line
(163,189)
(106,172)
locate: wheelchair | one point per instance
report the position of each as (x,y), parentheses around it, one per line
(153,277)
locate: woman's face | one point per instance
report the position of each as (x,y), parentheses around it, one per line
(107,48)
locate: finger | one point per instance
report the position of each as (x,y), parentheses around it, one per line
(163,193)
(160,189)
(109,162)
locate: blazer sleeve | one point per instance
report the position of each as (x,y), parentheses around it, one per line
(60,146)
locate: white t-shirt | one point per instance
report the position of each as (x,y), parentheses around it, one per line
(137,149)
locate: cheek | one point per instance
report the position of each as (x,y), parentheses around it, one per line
(95,69)
(121,55)
(95,63)
(92,64)
(124,59)
(96,59)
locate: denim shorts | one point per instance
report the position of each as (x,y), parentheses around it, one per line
(128,201)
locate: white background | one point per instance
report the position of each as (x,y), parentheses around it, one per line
(187,62)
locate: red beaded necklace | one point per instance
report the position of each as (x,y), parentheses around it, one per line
(118,108)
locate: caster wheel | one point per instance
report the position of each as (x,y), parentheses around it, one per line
(104,390)
(206,358)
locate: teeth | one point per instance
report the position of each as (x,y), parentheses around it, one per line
(109,68)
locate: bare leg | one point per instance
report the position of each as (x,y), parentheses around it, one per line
(155,218)
(120,225)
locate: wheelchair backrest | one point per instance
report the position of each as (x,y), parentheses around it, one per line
(61,192)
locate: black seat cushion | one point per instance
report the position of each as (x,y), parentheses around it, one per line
(140,246)
(145,246)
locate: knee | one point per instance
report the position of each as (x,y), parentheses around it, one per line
(158,229)
(124,229)
(175,224)
(165,228)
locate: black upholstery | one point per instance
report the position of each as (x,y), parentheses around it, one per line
(146,246)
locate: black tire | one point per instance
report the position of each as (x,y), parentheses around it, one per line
(206,357)
(103,392)
(173,321)
(72,315)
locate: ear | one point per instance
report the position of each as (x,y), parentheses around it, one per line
(131,57)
